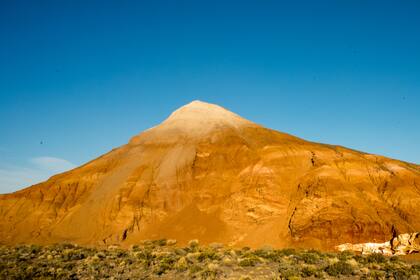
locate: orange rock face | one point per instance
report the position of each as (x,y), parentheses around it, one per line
(208,174)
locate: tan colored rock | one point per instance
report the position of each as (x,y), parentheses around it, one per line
(206,173)
(407,243)
(402,244)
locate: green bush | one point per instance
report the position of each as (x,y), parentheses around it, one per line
(271,255)
(289,271)
(35,249)
(416,267)
(345,255)
(394,259)
(308,271)
(339,268)
(208,274)
(360,259)
(160,242)
(309,258)
(248,260)
(207,255)
(195,268)
(376,258)
(287,252)
(162,268)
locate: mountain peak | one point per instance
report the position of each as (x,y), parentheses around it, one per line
(199,113)
(196,119)
(209,174)
(199,103)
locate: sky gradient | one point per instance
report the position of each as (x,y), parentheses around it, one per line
(78,78)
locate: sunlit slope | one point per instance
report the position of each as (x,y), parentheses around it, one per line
(208,174)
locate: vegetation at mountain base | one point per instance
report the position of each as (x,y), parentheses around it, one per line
(162,259)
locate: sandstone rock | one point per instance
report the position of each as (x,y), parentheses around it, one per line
(402,244)
(406,243)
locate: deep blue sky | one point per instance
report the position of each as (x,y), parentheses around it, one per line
(85,76)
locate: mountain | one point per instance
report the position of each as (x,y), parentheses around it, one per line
(206,173)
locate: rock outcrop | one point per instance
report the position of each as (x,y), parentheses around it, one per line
(206,173)
(403,244)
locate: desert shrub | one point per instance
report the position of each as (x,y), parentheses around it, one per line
(121,253)
(35,249)
(339,268)
(73,255)
(193,243)
(308,271)
(69,266)
(248,260)
(271,255)
(309,258)
(328,255)
(181,264)
(207,254)
(262,253)
(345,255)
(320,254)
(416,267)
(397,272)
(160,242)
(289,271)
(394,259)
(101,255)
(135,248)
(402,273)
(246,249)
(360,259)
(162,268)
(195,268)
(146,257)
(68,245)
(209,274)
(287,252)
(180,252)
(236,252)
(374,274)
(376,258)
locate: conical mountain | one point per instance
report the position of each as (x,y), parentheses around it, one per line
(206,173)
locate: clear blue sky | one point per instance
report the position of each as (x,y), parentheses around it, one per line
(82,77)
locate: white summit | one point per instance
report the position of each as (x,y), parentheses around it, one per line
(195,119)
(202,113)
